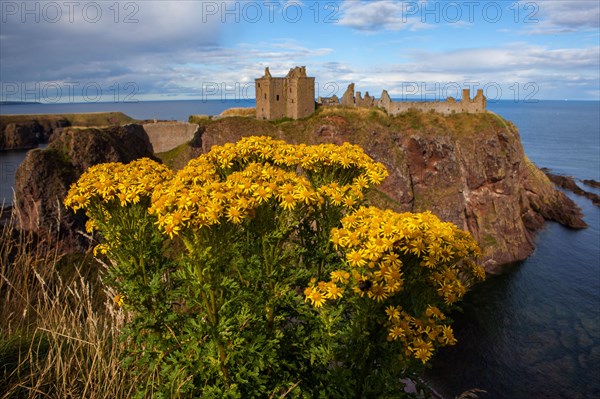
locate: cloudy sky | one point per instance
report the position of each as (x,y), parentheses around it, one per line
(61,51)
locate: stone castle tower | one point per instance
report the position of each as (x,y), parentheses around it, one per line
(291,97)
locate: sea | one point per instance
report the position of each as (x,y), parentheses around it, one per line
(531,332)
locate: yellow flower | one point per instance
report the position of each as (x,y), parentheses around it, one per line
(340,276)
(447,336)
(393,313)
(316,298)
(377,292)
(102,248)
(234,215)
(423,354)
(119,299)
(433,311)
(396,333)
(288,202)
(333,291)
(356,258)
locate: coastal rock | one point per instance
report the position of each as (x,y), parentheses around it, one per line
(568,183)
(469,169)
(28,131)
(43,179)
(27,134)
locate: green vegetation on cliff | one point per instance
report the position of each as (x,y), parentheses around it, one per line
(95,119)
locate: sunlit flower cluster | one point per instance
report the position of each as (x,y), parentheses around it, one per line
(379,246)
(375,244)
(195,198)
(314,160)
(232,180)
(420,335)
(125,183)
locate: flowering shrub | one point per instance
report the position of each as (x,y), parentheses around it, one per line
(256,271)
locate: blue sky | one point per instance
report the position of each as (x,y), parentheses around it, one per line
(72,51)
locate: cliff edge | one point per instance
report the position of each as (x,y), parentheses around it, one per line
(469,169)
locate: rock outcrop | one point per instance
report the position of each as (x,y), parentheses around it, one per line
(29,133)
(43,179)
(469,169)
(19,132)
(568,183)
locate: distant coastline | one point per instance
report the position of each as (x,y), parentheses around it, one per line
(19,102)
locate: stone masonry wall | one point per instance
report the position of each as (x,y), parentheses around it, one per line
(449,106)
(165,136)
(292,96)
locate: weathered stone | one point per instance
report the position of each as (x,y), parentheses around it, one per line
(165,136)
(292,96)
(29,132)
(568,183)
(348,97)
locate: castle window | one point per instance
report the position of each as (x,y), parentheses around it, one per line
(278,97)
(259,85)
(265,96)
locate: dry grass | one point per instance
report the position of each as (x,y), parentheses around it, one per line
(59,336)
(251,112)
(81,119)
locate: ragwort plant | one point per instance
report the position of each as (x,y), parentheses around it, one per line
(256,272)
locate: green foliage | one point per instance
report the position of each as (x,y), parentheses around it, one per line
(254,272)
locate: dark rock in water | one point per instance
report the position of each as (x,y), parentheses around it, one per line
(591,183)
(45,176)
(568,183)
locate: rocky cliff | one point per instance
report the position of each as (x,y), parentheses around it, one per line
(43,179)
(28,131)
(469,169)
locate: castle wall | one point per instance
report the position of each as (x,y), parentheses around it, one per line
(270,98)
(165,136)
(449,106)
(305,104)
(292,96)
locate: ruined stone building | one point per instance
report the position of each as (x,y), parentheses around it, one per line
(448,106)
(294,97)
(291,97)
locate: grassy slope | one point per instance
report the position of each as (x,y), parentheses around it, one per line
(84,119)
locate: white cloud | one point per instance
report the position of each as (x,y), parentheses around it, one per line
(371,16)
(552,17)
(517,69)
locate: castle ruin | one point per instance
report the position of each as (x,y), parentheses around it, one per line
(293,97)
(449,106)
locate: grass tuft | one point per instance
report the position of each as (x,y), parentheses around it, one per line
(60,330)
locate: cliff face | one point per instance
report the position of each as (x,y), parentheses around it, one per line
(43,179)
(469,169)
(28,131)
